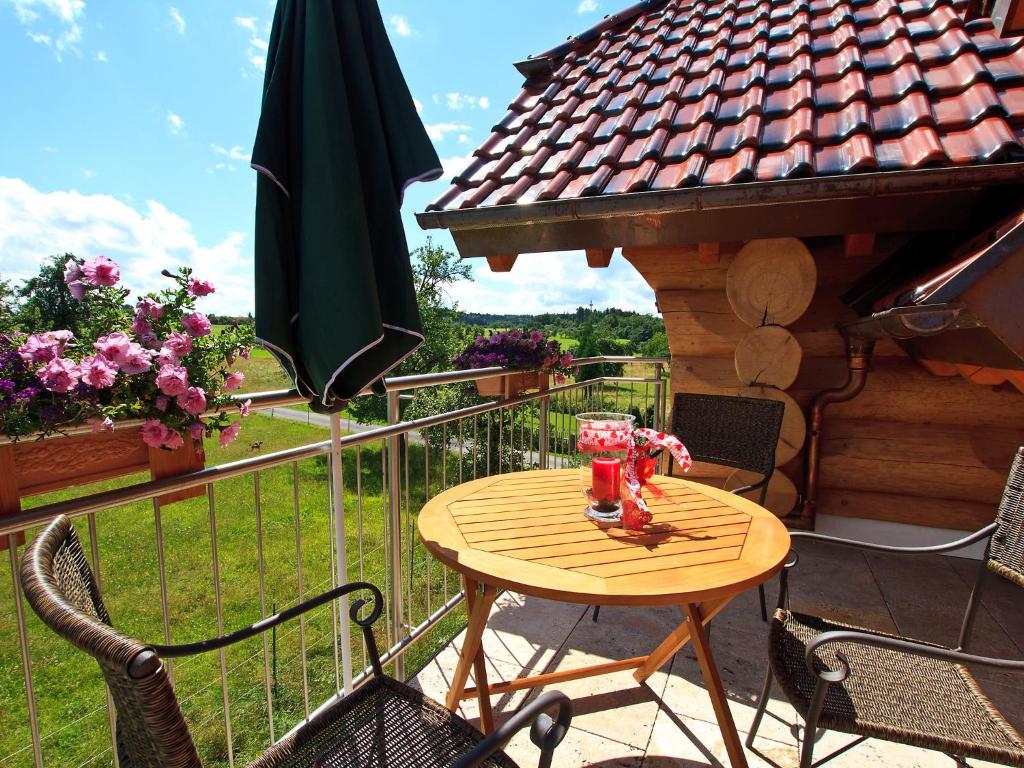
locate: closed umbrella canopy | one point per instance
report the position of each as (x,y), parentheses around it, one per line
(339,140)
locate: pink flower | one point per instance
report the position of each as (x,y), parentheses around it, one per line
(192,401)
(162,401)
(229,434)
(141,325)
(166,357)
(244,353)
(233,381)
(200,288)
(101,271)
(243,409)
(196,430)
(150,341)
(154,433)
(149,308)
(196,324)
(536,336)
(113,346)
(172,380)
(559,378)
(40,348)
(77,289)
(173,441)
(59,375)
(98,372)
(566,360)
(136,359)
(101,425)
(179,343)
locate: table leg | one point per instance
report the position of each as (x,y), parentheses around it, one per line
(679,637)
(483,693)
(713,683)
(479,610)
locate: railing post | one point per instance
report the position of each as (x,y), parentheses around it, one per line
(542,432)
(395,541)
(659,411)
(341,554)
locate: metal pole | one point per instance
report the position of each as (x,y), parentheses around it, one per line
(341,556)
(395,509)
(659,412)
(542,433)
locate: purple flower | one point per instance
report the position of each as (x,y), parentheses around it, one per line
(196,430)
(101,271)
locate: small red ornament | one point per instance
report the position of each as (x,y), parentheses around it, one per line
(633,517)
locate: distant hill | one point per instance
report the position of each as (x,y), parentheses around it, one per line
(633,327)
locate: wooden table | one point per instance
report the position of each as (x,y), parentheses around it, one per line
(526,532)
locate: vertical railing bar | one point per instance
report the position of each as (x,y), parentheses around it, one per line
(332,549)
(385,508)
(162,571)
(359,529)
(300,586)
(500,413)
(522,431)
(476,442)
(488,467)
(444,457)
(340,625)
(410,546)
(425,436)
(394,505)
(462,447)
(26,659)
(212,504)
(261,570)
(94,550)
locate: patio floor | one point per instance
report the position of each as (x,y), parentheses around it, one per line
(670,722)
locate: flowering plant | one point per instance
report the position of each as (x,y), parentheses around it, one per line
(158,361)
(518,350)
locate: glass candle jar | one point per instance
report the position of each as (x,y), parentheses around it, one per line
(603,443)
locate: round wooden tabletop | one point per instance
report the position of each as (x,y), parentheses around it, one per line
(526,531)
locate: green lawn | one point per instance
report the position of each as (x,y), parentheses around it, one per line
(73,718)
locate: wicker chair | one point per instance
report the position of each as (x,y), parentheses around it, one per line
(875,685)
(384,723)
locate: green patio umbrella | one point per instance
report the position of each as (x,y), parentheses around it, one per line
(339,140)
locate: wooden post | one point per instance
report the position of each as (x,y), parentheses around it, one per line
(10,502)
(599,258)
(771,281)
(859,245)
(769,355)
(501,263)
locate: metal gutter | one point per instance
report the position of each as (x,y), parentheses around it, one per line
(860,185)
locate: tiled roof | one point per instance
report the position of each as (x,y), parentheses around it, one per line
(726,91)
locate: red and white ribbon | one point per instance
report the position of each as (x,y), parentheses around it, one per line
(661,440)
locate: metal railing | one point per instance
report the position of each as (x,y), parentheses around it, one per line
(280,527)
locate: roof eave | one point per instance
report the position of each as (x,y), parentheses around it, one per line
(747,195)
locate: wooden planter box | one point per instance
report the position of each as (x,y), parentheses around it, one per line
(512,384)
(31,467)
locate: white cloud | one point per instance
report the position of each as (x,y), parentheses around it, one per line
(463,138)
(419,105)
(50,150)
(256,53)
(459,101)
(554,282)
(88,173)
(35,224)
(101,56)
(63,16)
(437,131)
(177,20)
(453,166)
(236,153)
(586,6)
(401,26)
(175,123)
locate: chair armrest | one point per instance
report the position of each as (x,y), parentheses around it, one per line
(979,535)
(216,643)
(748,488)
(546,733)
(897,644)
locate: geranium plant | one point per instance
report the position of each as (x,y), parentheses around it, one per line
(516,350)
(158,361)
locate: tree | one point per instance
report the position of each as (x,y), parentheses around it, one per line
(591,344)
(8,307)
(656,346)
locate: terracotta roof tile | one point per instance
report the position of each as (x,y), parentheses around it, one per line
(701,92)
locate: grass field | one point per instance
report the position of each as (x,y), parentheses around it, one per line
(69,691)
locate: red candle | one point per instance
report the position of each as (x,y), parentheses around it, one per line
(605,478)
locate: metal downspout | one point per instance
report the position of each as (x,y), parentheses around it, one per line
(858,352)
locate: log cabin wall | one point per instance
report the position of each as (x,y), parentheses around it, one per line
(911,448)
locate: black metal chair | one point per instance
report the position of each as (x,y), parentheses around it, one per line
(874,685)
(384,723)
(738,432)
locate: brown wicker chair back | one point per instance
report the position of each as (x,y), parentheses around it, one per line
(1006,552)
(59,585)
(738,432)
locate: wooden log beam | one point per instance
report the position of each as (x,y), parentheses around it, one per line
(502,263)
(859,245)
(599,258)
(708,253)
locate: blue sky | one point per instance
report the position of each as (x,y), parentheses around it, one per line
(128,127)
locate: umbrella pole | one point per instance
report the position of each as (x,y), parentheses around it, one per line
(341,557)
